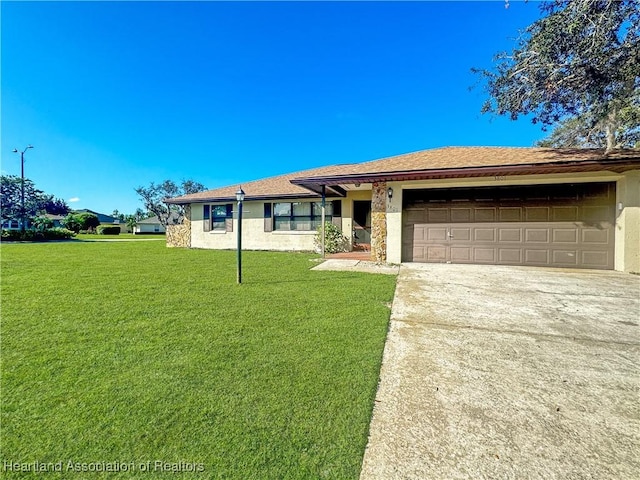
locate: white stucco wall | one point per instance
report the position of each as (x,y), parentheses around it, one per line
(253,235)
(627,255)
(394,224)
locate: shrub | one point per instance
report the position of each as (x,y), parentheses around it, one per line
(108,230)
(334,240)
(81,221)
(56,233)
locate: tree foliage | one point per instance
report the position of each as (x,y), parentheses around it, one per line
(154,197)
(81,221)
(585,132)
(35,201)
(580,60)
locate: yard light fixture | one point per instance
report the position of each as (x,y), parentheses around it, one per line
(240,199)
(23,219)
(390,193)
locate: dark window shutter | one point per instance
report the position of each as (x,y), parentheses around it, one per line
(228,222)
(336,219)
(206,217)
(268,218)
(337,208)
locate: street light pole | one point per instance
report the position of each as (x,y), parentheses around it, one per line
(22,209)
(240,198)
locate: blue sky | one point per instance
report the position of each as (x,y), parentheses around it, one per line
(114,95)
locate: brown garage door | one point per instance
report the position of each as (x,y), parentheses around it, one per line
(553,225)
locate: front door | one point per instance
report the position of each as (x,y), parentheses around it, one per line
(361,222)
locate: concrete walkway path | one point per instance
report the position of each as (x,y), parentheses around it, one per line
(509,373)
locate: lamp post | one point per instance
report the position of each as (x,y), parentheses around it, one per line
(240,198)
(22,209)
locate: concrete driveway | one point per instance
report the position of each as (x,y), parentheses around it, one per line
(509,373)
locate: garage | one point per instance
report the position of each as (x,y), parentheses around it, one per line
(564,225)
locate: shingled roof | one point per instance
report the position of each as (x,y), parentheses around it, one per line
(444,162)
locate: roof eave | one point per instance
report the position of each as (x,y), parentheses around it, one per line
(615,166)
(247,198)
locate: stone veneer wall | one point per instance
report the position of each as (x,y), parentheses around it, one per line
(379,222)
(180,235)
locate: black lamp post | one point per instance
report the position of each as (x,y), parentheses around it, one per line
(22,209)
(240,198)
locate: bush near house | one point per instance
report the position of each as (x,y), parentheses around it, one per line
(81,221)
(108,230)
(56,233)
(334,240)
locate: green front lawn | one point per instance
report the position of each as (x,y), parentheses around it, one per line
(130,352)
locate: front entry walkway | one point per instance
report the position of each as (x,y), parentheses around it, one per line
(508,372)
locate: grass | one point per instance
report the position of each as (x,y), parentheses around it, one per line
(91,237)
(130,352)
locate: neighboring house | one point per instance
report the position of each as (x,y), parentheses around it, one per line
(149,225)
(485,205)
(106,219)
(11,225)
(15,224)
(56,219)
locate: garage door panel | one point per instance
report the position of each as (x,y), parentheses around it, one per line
(437,215)
(510,235)
(558,225)
(435,234)
(484,255)
(595,259)
(436,253)
(484,234)
(462,234)
(564,257)
(536,257)
(537,235)
(419,232)
(461,255)
(510,256)
(564,235)
(537,214)
(461,214)
(595,214)
(595,236)
(414,215)
(510,214)
(486,214)
(564,214)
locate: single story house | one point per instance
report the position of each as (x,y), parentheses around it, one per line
(550,207)
(56,219)
(105,219)
(149,225)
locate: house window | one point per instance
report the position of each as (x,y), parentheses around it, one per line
(299,216)
(218,218)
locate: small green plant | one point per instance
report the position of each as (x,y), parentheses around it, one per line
(334,240)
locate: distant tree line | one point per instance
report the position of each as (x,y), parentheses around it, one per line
(37,204)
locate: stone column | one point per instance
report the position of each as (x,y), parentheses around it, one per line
(180,235)
(379,222)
